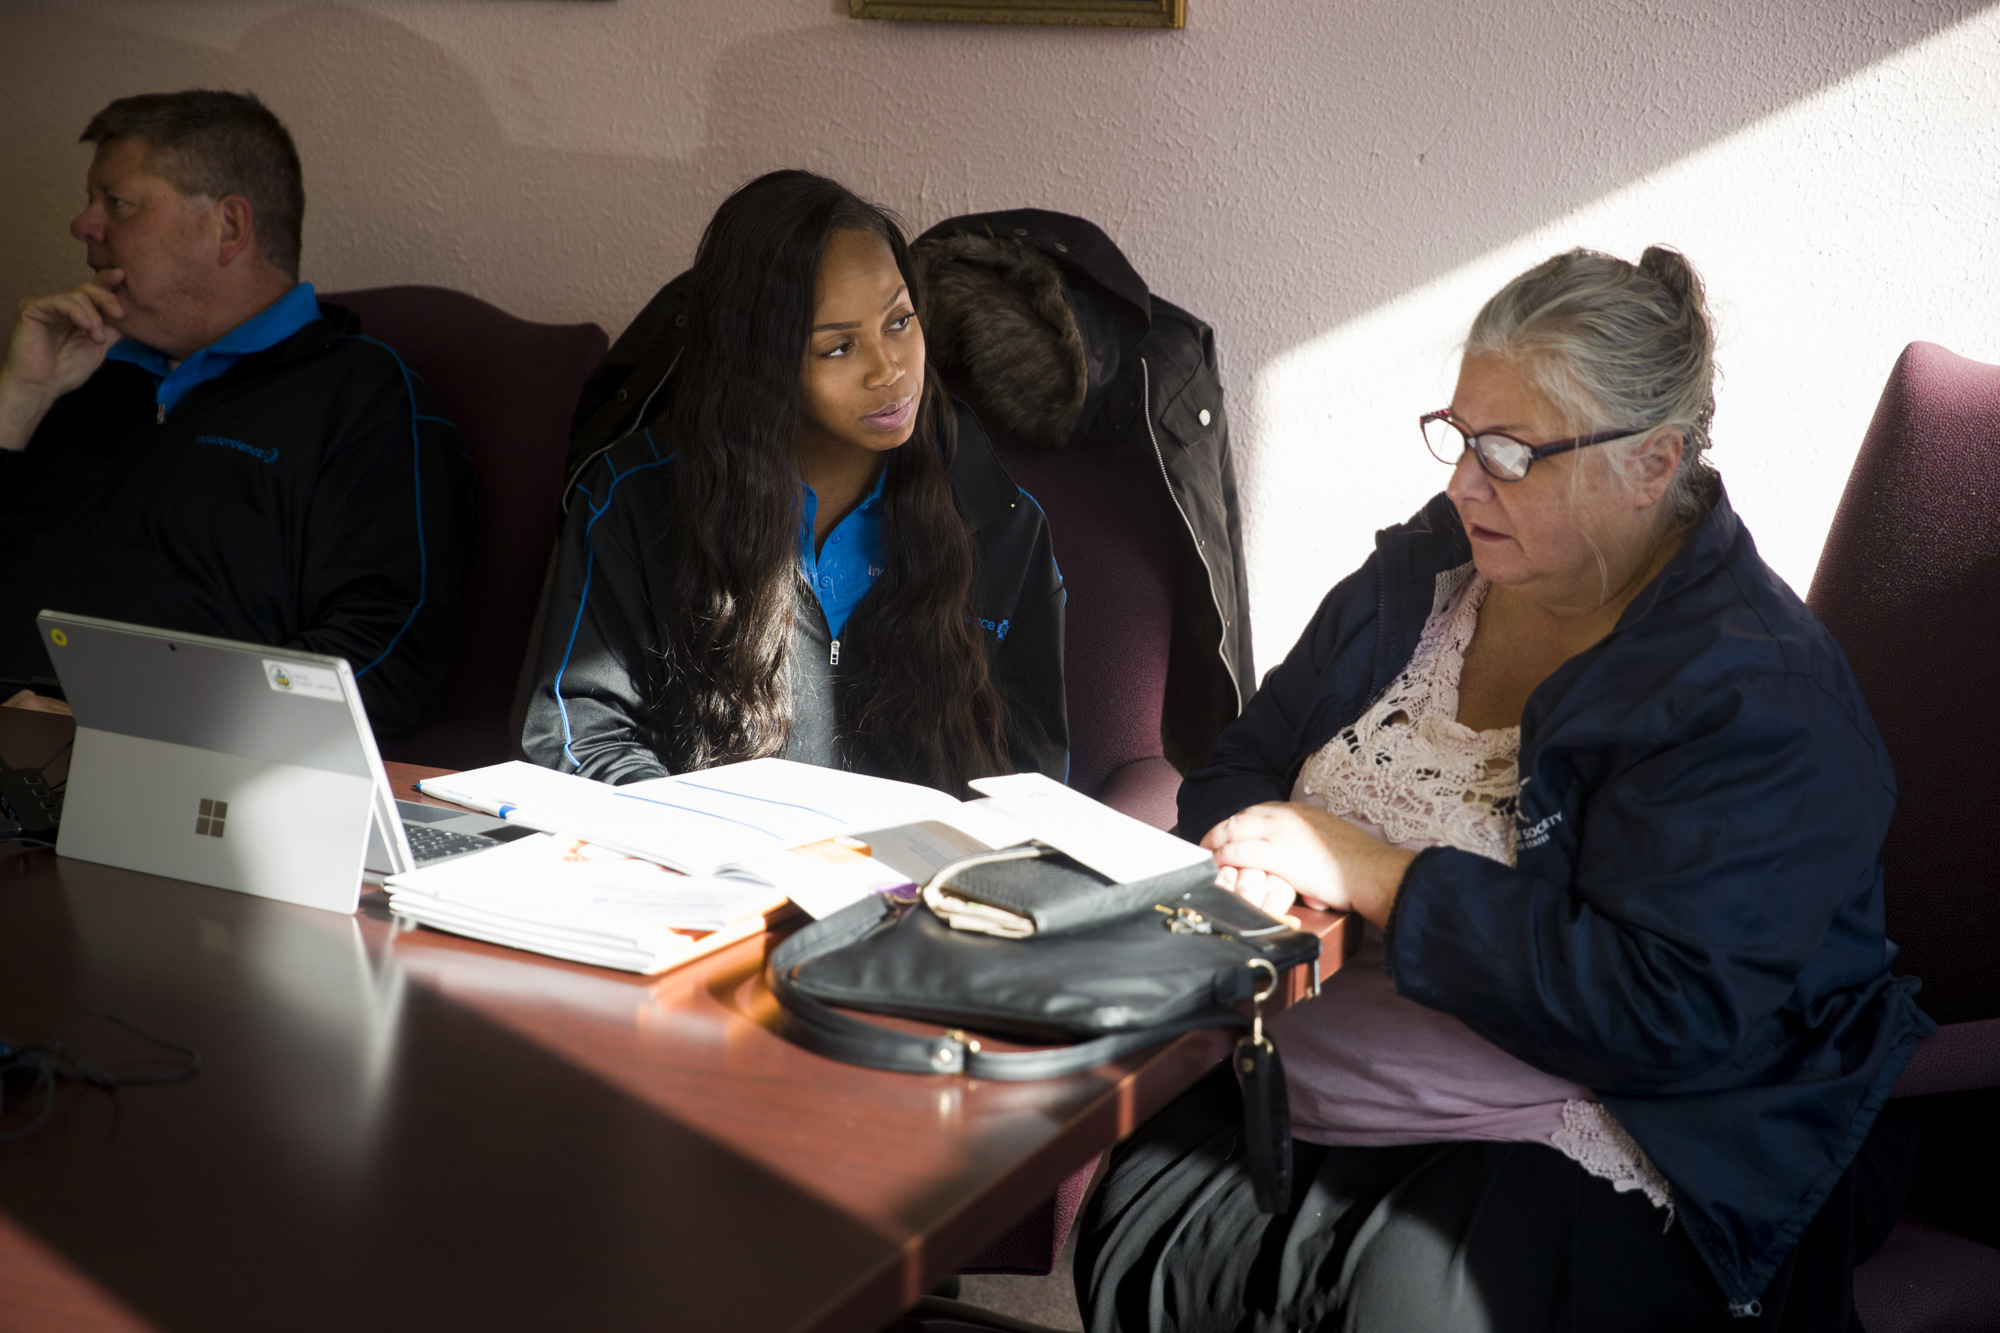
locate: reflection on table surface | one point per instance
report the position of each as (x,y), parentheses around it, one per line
(406,1128)
(512,1139)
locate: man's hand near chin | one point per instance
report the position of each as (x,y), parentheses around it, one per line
(29,701)
(58,342)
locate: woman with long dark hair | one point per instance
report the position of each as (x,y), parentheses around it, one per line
(813,553)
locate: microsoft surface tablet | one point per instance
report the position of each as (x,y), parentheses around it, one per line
(230,764)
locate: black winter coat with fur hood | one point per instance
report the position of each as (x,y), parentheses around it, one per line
(1040,321)
(1083,349)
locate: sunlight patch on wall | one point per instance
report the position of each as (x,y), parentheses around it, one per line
(1831,235)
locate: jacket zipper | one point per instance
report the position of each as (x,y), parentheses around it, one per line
(1200,548)
(160,417)
(833,657)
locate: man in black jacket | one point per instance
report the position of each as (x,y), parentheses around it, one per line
(190,441)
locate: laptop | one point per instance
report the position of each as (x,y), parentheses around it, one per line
(235,765)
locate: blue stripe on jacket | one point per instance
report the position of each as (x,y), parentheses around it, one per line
(597,511)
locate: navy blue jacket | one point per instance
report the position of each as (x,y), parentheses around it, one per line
(1693,927)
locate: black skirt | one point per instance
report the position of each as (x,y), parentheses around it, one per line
(1459,1237)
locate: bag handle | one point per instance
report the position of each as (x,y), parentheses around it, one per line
(825,1031)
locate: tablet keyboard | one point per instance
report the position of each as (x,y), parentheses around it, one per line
(27,806)
(430,843)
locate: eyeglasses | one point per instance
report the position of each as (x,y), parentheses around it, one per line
(1502,457)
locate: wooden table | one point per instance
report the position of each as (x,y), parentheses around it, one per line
(412,1130)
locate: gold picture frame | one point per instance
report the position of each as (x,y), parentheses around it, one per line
(1076,13)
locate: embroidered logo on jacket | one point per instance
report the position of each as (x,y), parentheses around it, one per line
(1534,835)
(999,630)
(261,455)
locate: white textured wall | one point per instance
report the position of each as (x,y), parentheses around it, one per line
(1831,233)
(1334,184)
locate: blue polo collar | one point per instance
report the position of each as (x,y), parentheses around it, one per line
(843,570)
(259,333)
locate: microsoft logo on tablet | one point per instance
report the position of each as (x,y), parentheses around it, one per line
(208,823)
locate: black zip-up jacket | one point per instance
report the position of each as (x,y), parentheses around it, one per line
(313,496)
(1155,390)
(1142,350)
(601,694)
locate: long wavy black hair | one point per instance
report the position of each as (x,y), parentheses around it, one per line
(924,708)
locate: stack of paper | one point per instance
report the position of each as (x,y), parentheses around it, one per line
(1115,845)
(644,876)
(697,822)
(566,898)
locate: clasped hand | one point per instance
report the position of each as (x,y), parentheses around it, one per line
(1272,853)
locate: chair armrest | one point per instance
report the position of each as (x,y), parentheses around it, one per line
(1961,1057)
(1144,789)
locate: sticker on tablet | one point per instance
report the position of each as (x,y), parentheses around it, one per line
(297,678)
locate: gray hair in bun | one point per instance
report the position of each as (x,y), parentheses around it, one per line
(1611,345)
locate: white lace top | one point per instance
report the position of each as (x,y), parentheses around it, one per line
(1375,1067)
(1408,766)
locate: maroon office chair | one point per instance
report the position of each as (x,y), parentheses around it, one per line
(511,386)
(1114,527)
(1909,584)
(1115,530)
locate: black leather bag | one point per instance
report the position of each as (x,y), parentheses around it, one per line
(1120,968)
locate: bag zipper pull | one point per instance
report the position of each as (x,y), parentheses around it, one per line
(833,658)
(1267,1129)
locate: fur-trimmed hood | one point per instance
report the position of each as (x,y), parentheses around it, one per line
(1031,315)
(1040,322)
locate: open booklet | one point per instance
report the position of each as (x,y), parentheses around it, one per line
(699,823)
(569,899)
(744,837)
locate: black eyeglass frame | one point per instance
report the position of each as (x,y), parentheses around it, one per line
(1536,452)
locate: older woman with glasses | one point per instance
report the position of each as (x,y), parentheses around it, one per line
(1615,1049)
